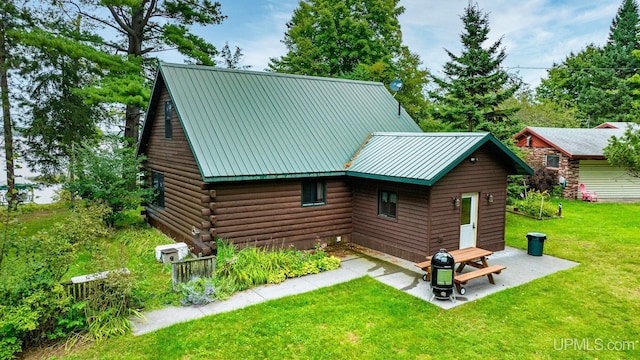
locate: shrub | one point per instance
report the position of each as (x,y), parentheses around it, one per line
(543,179)
(252,266)
(515,187)
(531,204)
(108,173)
(86,222)
(32,302)
(108,309)
(198,291)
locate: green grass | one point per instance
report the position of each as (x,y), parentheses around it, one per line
(596,302)
(34,218)
(132,246)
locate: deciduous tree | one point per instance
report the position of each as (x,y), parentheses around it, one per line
(625,151)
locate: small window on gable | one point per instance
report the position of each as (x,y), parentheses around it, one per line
(529,138)
(313,193)
(168,131)
(553,161)
(387,203)
(157,183)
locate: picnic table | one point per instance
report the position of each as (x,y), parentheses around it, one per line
(471,256)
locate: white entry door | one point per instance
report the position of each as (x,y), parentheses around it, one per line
(468,220)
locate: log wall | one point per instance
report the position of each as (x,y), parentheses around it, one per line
(183,183)
(271,213)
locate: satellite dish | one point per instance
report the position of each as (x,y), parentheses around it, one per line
(396,85)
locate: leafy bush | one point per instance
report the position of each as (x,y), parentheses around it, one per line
(108,310)
(252,266)
(108,173)
(85,223)
(515,188)
(531,204)
(32,302)
(543,179)
(198,291)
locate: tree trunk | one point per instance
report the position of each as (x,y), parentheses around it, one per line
(136,36)
(6,115)
(132,124)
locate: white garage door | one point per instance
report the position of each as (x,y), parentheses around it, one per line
(611,183)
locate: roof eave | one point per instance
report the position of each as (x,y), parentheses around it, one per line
(589,157)
(156,91)
(520,167)
(398,179)
(555,146)
(230,178)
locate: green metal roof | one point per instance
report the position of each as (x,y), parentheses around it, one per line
(244,125)
(424,158)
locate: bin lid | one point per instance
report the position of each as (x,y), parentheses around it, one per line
(536,234)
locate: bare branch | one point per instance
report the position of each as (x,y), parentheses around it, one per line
(149,13)
(121,23)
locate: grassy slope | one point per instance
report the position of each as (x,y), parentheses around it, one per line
(364,319)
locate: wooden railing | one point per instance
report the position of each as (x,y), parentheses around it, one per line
(184,271)
(81,287)
(81,291)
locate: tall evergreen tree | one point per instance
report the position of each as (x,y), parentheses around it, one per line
(332,37)
(13,21)
(474,86)
(354,39)
(58,115)
(595,81)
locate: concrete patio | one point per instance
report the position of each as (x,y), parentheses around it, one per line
(403,275)
(398,273)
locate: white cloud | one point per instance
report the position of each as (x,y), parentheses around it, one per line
(536,33)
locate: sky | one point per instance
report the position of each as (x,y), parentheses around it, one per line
(536,33)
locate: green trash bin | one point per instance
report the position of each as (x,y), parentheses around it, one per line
(536,243)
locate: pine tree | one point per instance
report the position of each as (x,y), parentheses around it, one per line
(474,86)
(595,81)
(145,27)
(332,38)
(13,21)
(353,39)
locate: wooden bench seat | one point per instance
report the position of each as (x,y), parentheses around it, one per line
(493,269)
(462,279)
(425,266)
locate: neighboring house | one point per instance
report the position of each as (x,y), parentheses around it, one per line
(274,159)
(578,157)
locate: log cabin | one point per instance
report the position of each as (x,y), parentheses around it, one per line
(272,159)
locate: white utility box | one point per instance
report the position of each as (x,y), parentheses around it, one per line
(182,248)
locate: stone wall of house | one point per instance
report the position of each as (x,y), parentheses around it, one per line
(569,168)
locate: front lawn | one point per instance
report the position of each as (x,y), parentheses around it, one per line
(589,311)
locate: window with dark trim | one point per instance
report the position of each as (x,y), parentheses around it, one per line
(168,131)
(553,161)
(313,193)
(387,203)
(157,183)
